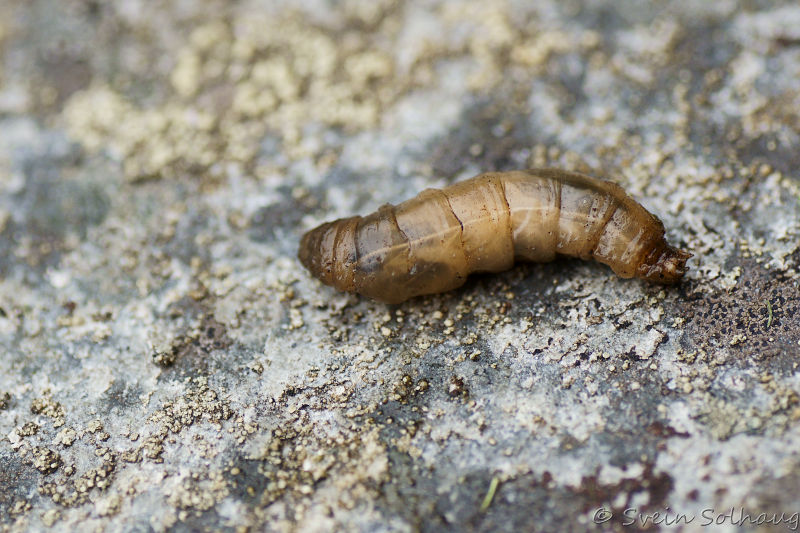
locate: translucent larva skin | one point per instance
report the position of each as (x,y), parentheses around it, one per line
(432,242)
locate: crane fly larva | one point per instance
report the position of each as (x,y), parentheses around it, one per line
(432,242)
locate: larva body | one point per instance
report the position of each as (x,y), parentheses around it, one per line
(432,242)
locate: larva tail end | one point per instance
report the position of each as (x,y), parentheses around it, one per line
(664,264)
(304,253)
(315,254)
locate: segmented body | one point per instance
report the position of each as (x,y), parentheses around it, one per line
(432,242)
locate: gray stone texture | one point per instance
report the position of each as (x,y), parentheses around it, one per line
(167,365)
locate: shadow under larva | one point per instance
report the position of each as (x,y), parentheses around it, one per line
(432,242)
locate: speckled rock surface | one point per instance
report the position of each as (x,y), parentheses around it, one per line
(167,364)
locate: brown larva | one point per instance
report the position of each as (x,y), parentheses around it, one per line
(430,243)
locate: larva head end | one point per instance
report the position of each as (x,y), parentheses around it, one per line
(664,264)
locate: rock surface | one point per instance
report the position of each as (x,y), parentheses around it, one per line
(168,365)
